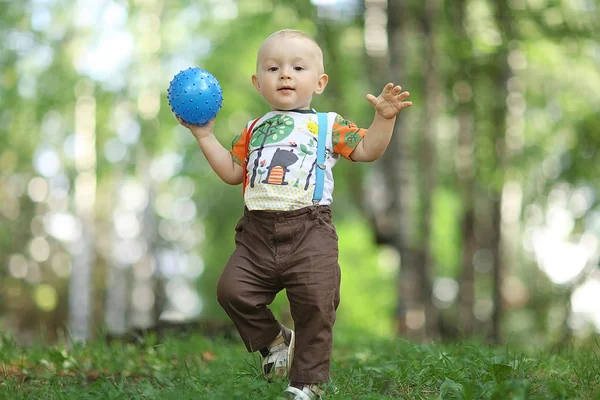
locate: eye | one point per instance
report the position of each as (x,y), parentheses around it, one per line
(298,68)
(273,69)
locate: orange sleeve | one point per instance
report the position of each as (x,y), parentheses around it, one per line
(345,136)
(239,150)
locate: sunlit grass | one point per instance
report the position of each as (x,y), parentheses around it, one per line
(192,367)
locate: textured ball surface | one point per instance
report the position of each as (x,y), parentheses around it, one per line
(195,96)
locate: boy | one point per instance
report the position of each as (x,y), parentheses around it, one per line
(285,239)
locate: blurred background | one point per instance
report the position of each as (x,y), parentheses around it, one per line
(482,219)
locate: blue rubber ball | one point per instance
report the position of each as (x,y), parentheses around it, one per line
(195,96)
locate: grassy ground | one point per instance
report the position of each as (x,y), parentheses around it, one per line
(192,367)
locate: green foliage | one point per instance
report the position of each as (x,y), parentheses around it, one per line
(446,231)
(364,367)
(264,134)
(368,282)
(552,134)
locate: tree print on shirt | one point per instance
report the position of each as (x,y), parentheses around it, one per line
(272,130)
(313,167)
(307,150)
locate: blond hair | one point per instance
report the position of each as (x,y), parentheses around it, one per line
(289,33)
(293,33)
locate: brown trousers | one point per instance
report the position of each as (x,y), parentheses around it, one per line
(292,250)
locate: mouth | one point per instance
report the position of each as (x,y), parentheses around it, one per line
(285,89)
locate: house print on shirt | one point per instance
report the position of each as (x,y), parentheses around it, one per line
(278,168)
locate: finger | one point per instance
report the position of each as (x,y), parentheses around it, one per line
(403,95)
(388,88)
(396,90)
(372,99)
(405,104)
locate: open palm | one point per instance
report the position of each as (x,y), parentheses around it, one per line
(390,102)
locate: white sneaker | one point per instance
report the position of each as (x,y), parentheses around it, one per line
(278,362)
(308,392)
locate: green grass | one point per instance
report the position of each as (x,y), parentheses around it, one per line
(192,367)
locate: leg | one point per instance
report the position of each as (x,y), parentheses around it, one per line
(247,286)
(312,283)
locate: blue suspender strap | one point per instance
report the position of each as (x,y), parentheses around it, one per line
(320,170)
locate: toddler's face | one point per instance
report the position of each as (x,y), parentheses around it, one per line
(289,72)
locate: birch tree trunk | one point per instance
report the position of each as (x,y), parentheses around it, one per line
(80,288)
(148,288)
(117,283)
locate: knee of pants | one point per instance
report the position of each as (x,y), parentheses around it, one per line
(317,313)
(229,296)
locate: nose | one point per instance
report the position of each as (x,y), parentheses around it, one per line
(285,73)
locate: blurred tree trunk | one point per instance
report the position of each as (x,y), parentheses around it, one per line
(329,39)
(380,196)
(469,242)
(497,268)
(465,165)
(399,165)
(146,311)
(392,202)
(116,302)
(429,26)
(147,297)
(502,74)
(80,286)
(153,261)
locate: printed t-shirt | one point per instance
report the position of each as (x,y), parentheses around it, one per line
(282,157)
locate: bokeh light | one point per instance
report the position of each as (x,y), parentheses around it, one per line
(46,297)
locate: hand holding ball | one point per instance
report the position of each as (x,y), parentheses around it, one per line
(195,96)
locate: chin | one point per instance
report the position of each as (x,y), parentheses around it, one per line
(284,108)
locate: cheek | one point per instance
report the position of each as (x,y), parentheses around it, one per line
(268,83)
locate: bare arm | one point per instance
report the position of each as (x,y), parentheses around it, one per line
(387,105)
(217,156)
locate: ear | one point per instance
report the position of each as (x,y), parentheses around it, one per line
(256,83)
(323,79)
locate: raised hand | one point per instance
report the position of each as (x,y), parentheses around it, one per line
(390,102)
